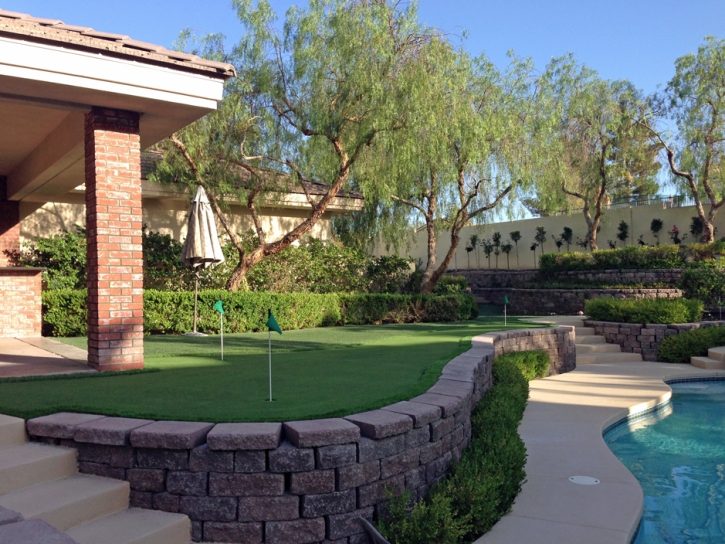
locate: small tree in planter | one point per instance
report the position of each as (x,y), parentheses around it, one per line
(475,242)
(674,234)
(558,242)
(533,248)
(506,248)
(567,235)
(468,251)
(515,237)
(623,232)
(656,226)
(697,227)
(540,237)
(496,240)
(641,241)
(487,250)
(612,244)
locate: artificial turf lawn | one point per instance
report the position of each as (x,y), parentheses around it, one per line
(316,373)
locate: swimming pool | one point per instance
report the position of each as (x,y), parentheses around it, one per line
(678,455)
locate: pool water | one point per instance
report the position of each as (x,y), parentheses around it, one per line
(678,456)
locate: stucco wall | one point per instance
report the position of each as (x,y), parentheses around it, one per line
(638,219)
(301,481)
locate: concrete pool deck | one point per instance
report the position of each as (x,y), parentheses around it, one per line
(562,429)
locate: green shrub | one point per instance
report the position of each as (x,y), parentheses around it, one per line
(448,285)
(705,284)
(172,312)
(481,488)
(659,310)
(64,257)
(678,348)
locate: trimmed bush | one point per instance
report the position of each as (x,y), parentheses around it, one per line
(655,311)
(482,487)
(172,312)
(705,284)
(634,257)
(678,348)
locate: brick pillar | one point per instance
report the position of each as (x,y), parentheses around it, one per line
(113,222)
(9,227)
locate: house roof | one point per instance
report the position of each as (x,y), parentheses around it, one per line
(55,32)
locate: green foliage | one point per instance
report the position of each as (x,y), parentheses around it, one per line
(705,284)
(657,311)
(64,256)
(171,312)
(448,285)
(567,235)
(656,226)
(481,488)
(623,231)
(678,348)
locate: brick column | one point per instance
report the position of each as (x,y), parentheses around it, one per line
(113,222)
(9,226)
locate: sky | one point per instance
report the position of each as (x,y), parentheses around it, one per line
(637,40)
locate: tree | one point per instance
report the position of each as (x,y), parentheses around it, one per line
(540,237)
(496,242)
(506,248)
(697,227)
(468,251)
(307,102)
(623,232)
(475,244)
(599,140)
(487,250)
(695,98)
(515,236)
(465,147)
(558,242)
(533,248)
(656,226)
(567,235)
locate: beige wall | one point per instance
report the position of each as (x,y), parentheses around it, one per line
(165,216)
(638,218)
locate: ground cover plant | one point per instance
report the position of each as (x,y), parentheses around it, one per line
(656,311)
(481,488)
(171,312)
(678,348)
(316,373)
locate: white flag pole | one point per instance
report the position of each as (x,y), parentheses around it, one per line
(221,325)
(504,316)
(269,334)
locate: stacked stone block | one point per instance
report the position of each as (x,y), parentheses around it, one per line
(643,338)
(296,482)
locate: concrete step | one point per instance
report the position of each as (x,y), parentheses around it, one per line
(608,358)
(12,431)
(716,353)
(589,340)
(26,465)
(70,501)
(584,331)
(134,526)
(597,348)
(707,363)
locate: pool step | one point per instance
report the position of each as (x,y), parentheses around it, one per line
(26,465)
(608,358)
(134,526)
(707,363)
(597,348)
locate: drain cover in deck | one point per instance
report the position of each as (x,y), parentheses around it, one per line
(583,480)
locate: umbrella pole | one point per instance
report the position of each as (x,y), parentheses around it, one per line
(196,294)
(269,334)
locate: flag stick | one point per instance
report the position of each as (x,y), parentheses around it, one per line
(504,316)
(221,325)
(269,334)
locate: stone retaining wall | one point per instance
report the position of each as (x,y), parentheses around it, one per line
(480,279)
(642,338)
(300,481)
(561,301)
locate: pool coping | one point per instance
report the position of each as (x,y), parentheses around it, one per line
(563,429)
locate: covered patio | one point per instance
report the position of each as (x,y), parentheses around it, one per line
(77,107)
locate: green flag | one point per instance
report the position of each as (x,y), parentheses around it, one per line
(218,307)
(272,323)
(505,299)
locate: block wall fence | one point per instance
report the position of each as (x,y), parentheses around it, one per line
(297,482)
(643,338)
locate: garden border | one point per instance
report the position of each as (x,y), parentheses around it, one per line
(300,481)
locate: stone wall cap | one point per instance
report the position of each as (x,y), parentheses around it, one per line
(422,414)
(244,436)
(111,431)
(321,432)
(452,388)
(173,435)
(448,405)
(60,425)
(378,424)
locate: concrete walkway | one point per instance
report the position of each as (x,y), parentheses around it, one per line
(562,429)
(39,356)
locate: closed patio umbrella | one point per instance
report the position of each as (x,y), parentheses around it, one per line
(201,247)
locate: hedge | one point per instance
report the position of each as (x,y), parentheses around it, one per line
(169,312)
(481,488)
(655,311)
(678,348)
(633,257)
(705,284)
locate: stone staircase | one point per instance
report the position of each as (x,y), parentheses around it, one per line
(592,348)
(715,359)
(43,499)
